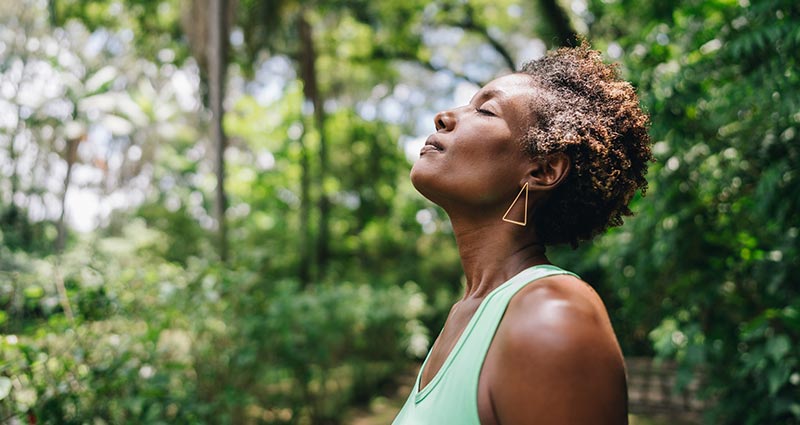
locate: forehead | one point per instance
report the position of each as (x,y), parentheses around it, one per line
(518,90)
(515,94)
(511,85)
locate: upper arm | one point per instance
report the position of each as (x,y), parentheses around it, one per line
(557,362)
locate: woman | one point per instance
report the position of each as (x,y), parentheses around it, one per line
(549,155)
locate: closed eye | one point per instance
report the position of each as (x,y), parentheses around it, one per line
(485,112)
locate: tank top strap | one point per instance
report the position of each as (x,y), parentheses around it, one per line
(486,321)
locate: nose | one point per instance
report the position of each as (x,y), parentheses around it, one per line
(444,120)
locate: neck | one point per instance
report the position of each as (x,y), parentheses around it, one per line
(493,252)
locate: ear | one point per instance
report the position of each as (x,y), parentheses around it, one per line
(547,172)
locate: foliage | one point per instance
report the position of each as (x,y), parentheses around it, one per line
(706,269)
(150,329)
(141,351)
(155,23)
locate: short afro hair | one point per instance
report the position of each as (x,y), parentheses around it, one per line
(587,112)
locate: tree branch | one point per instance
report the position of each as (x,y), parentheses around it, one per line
(469,23)
(381,54)
(481,30)
(559,22)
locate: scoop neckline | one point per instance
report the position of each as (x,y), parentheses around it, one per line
(421,394)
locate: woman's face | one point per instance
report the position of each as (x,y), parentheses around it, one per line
(474,158)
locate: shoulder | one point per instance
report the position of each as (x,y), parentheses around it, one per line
(560,303)
(556,353)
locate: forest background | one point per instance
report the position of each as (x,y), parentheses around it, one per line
(205,215)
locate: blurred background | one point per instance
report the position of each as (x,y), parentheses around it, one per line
(205,214)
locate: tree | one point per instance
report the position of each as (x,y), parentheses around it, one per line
(559,21)
(217,59)
(704,270)
(207,25)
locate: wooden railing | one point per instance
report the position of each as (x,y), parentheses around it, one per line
(651,390)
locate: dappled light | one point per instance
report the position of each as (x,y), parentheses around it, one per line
(206,214)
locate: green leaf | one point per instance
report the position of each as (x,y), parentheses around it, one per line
(34,291)
(795,409)
(778,347)
(777,377)
(5,387)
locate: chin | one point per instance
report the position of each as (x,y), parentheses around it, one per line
(423,180)
(417,177)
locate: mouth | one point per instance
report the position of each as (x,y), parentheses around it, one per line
(432,145)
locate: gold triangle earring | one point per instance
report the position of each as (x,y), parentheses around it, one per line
(524,221)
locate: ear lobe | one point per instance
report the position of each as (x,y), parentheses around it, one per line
(547,172)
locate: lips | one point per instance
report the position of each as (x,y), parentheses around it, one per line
(432,145)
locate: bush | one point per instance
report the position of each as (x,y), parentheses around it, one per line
(153,341)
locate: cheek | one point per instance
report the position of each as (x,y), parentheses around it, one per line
(473,171)
(488,172)
(491,157)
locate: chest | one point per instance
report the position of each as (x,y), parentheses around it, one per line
(457,321)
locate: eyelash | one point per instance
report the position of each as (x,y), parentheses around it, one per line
(484,112)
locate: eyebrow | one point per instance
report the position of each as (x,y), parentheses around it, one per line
(489,93)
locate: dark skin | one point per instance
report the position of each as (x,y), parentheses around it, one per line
(554,359)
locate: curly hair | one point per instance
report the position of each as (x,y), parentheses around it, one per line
(586,111)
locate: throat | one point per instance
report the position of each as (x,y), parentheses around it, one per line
(487,266)
(492,250)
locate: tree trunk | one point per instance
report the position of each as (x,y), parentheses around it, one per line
(52,9)
(558,19)
(72,154)
(308,72)
(305,263)
(11,218)
(217,61)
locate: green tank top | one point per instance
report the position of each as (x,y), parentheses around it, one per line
(451,397)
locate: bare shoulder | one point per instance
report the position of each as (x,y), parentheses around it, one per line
(555,358)
(560,303)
